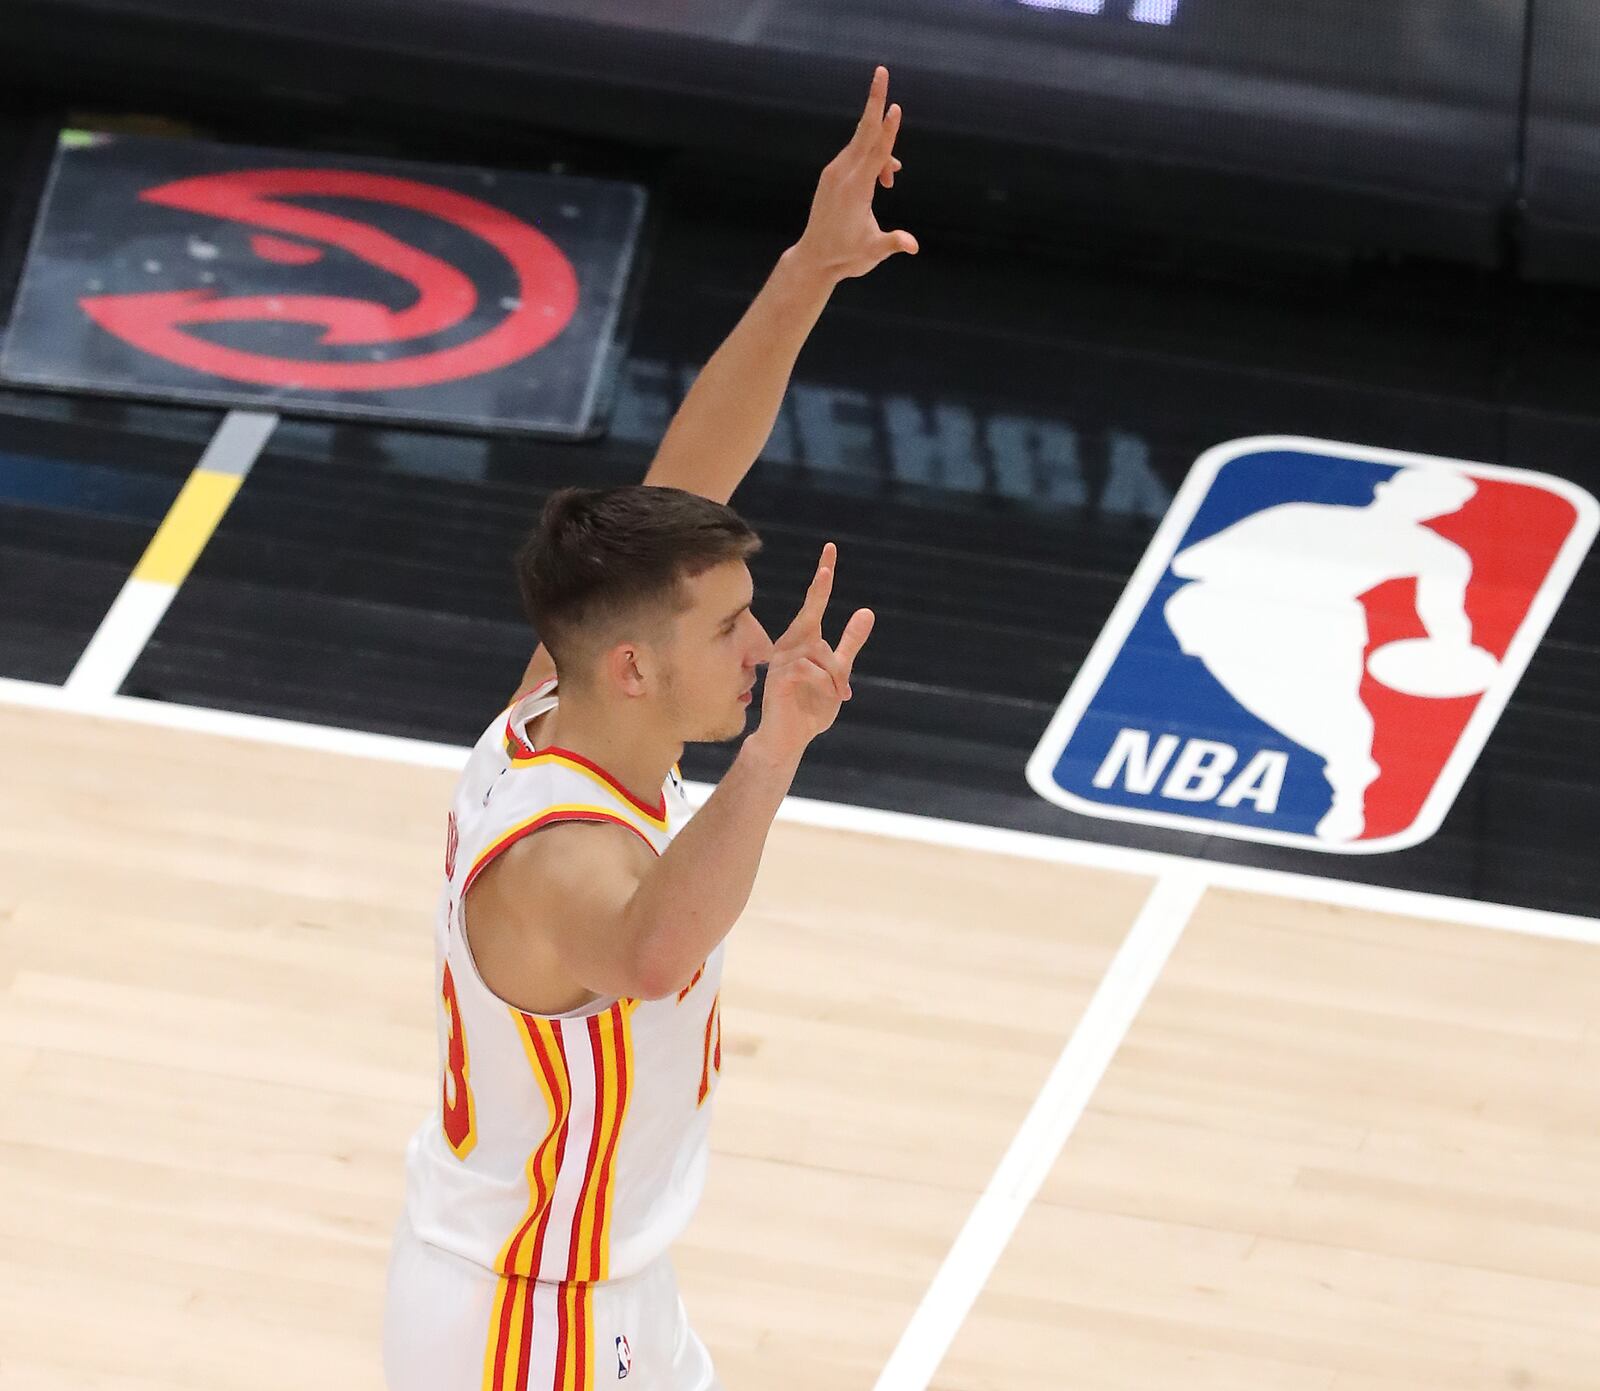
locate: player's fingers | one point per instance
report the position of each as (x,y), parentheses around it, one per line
(805,672)
(826,658)
(886,175)
(864,138)
(807,622)
(889,129)
(821,589)
(868,127)
(856,633)
(891,242)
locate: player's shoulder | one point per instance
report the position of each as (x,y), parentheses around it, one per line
(572,852)
(569,874)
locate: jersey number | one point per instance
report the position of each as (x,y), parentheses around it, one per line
(713,1059)
(459,1120)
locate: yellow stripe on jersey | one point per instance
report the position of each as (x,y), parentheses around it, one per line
(575,1346)
(623,1092)
(569,1357)
(609,1043)
(547,1060)
(561,759)
(510,1332)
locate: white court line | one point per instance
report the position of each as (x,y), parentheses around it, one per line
(104,664)
(1180,882)
(1044,1133)
(998,840)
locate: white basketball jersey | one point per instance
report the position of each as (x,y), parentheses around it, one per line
(568,1148)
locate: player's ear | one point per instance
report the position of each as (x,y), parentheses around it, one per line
(626,667)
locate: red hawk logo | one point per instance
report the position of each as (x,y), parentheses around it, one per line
(155,322)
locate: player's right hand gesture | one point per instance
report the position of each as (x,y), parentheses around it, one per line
(807,680)
(842,237)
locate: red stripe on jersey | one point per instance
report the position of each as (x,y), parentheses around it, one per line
(561,1337)
(589,1170)
(614,1018)
(566,1127)
(517,1292)
(525,1352)
(560,1123)
(658,811)
(580,1333)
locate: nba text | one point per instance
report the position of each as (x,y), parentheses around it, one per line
(1198,774)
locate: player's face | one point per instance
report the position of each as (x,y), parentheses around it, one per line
(718,646)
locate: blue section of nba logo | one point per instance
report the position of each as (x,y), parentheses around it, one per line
(1161,733)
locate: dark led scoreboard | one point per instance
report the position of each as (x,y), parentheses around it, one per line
(1410,100)
(1400,124)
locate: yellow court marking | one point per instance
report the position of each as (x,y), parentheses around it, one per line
(187,527)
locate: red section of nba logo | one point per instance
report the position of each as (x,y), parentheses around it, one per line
(1513,532)
(452,843)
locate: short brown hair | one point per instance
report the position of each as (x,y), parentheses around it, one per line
(600,555)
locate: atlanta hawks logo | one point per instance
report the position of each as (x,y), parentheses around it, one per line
(164,323)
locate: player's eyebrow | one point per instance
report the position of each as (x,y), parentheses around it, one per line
(729,620)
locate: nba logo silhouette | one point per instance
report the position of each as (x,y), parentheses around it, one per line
(1316,645)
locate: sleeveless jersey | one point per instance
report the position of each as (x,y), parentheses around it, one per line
(566,1148)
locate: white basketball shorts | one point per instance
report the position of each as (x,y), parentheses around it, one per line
(449,1324)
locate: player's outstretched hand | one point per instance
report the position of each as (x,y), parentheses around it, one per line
(807,680)
(842,237)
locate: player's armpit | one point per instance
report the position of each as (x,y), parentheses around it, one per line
(564,894)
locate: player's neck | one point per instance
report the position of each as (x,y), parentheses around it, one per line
(639,759)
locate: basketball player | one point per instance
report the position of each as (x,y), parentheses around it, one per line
(579,931)
(1273,609)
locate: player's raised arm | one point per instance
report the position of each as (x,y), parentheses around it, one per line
(725,420)
(728,414)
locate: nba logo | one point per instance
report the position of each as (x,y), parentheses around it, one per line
(1316,645)
(624,1357)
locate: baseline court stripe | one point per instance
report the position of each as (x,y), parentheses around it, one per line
(837,816)
(143,601)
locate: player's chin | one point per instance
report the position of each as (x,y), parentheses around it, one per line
(736,726)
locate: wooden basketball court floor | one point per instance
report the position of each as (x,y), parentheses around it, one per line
(999,1111)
